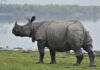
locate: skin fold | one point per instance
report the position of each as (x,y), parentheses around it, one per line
(58,36)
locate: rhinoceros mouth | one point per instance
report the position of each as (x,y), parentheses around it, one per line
(17,34)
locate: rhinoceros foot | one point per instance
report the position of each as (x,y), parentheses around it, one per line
(39,62)
(76,64)
(92,65)
(53,62)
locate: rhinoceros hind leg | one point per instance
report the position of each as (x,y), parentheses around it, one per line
(52,54)
(91,55)
(79,56)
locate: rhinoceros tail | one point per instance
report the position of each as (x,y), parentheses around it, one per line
(87,41)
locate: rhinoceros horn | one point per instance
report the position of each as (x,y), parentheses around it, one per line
(16,23)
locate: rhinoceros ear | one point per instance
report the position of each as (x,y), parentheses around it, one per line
(33,18)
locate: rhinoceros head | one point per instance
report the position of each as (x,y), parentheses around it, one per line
(23,30)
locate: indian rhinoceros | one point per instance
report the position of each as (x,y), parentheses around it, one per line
(57,36)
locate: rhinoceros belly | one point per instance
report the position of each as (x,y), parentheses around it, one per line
(56,37)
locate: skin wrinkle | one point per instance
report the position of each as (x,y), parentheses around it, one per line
(58,36)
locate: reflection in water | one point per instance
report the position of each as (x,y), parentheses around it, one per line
(8,39)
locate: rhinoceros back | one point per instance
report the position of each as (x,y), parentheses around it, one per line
(63,36)
(57,35)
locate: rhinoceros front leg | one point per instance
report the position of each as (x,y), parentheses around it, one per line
(79,56)
(52,54)
(91,55)
(41,46)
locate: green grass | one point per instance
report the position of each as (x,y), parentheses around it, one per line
(10,60)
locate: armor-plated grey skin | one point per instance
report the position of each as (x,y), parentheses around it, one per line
(57,36)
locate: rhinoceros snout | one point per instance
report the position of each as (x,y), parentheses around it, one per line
(14,32)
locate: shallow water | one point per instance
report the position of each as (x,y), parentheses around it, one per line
(8,39)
